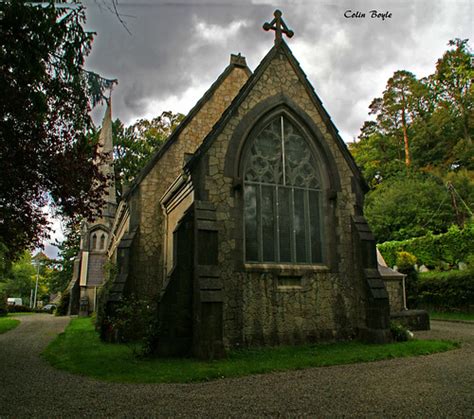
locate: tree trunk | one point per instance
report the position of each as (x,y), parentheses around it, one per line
(405,140)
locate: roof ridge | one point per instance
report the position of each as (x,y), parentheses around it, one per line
(184,123)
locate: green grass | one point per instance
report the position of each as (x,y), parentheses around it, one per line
(79,350)
(437,315)
(20,314)
(7,324)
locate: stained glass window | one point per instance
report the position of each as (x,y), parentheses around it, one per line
(282,197)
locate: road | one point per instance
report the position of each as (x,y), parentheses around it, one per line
(439,385)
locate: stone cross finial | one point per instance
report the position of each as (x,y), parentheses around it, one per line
(279,26)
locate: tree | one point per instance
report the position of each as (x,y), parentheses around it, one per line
(408,206)
(44,150)
(61,275)
(20,280)
(134,145)
(453,77)
(395,109)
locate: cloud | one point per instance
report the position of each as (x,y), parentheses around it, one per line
(179,48)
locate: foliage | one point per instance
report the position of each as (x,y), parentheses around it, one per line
(447,291)
(45,117)
(422,126)
(400,333)
(135,321)
(7,324)
(80,351)
(404,207)
(20,309)
(20,280)
(134,145)
(423,123)
(432,250)
(67,250)
(63,306)
(405,260)
(406,266)
(3,311)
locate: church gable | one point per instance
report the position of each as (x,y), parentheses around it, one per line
(284,190)
(163,169)
(259,238)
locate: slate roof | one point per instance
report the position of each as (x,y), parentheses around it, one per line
(247,88)
(236,61)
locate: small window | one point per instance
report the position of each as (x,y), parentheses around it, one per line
(102,241)
(94,242)
(282,197)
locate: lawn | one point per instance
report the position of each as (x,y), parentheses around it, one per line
(7,323)
(438,315)
(79,350)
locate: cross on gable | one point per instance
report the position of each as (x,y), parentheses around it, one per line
(279,26)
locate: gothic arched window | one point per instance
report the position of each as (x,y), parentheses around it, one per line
(282,203)
(102,241)
(94,242)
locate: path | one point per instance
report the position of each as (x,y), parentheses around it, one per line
(438,385)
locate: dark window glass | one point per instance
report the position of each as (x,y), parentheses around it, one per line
(250,215)
(284,222)
(268,223)
(281,192)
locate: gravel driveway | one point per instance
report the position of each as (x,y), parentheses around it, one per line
(440,385)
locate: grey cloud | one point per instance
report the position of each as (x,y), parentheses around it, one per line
(164,56)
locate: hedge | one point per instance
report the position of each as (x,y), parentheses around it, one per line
(433,250)
(446,291)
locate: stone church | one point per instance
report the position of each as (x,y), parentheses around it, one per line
(247,224)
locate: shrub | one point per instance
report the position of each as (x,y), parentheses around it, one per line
(405,260)
(447,291)
(433,250)
(399,332)
(3,305)
(134,321)
(20,309)
(406,264)
(63,306)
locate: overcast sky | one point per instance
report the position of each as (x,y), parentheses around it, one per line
(178,48)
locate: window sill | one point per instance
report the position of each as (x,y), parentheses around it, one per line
(285,268)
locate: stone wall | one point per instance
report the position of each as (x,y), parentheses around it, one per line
(329,303)
(395,294)
(147,260)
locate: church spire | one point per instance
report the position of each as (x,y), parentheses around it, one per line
(106,147)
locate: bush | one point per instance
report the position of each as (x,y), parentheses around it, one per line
(405,260)
(406,265)
(134,321)
(20,309)
(3,304)
(434,250)
(447,291)
(63,306)
(399,332)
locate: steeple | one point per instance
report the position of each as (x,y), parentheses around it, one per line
(106,146)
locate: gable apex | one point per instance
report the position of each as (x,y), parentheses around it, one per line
(279,49)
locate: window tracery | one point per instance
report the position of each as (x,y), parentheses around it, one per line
(282,202)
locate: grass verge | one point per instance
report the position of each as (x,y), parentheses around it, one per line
(6,324)
(438,315)
(79,350)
